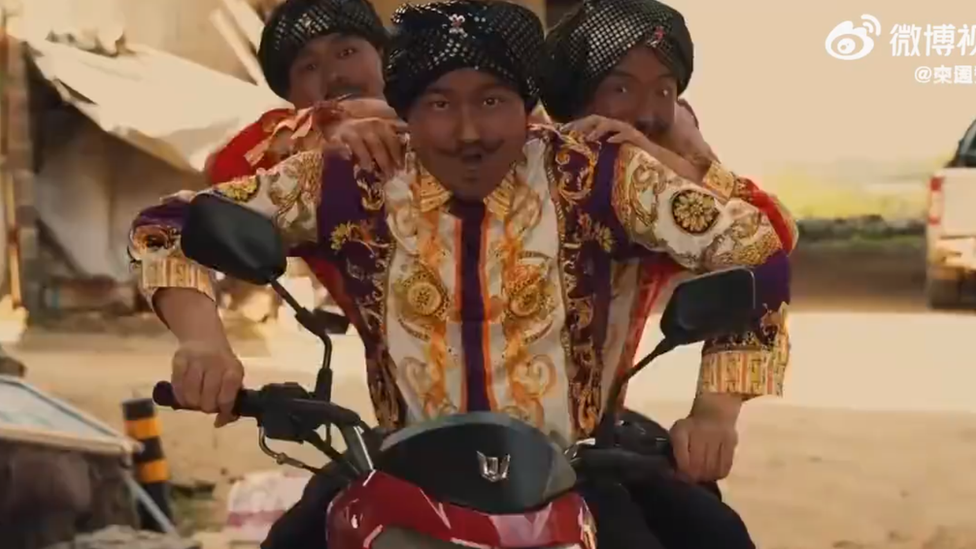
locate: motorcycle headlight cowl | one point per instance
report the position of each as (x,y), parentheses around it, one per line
(401,538)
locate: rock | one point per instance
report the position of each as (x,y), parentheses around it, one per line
(10,366)
(122,537)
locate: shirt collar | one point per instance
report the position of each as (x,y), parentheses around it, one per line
(429,194)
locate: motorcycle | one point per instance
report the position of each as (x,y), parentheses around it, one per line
(479,479)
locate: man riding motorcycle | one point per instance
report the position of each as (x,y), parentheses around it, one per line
(478,250)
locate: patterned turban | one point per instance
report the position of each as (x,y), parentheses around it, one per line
(295,23)
(431,40)
(594,37)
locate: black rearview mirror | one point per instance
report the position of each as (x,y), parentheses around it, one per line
(710,305)
(234,240)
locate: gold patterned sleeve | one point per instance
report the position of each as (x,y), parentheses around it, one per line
(701,225)
(710,226)
(289,194)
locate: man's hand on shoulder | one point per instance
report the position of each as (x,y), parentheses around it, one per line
(705,441)
(367,107)
(595,127)
(373,142)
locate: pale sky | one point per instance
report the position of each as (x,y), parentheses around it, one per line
(766,90)
(764,87)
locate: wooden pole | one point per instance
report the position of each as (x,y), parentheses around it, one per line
(6,172)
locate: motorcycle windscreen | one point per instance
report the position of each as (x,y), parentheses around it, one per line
(483,460)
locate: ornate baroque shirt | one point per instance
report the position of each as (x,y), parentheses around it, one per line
(508,304)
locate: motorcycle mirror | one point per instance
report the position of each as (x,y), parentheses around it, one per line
(234,240)
(239,242)
(709,305)
(701,308)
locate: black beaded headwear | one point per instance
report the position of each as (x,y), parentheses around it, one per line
(296,22)
(431,40)
(595,36)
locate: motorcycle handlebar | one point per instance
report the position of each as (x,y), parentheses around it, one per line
(246,404)
(254,404)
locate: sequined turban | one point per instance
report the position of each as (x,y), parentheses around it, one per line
(295,23)
(431,40)
(595,36)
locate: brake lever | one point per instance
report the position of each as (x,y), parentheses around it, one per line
(281,425)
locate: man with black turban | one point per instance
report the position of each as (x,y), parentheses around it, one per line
(484,264)
(619,67)
(588,50)
(312,53)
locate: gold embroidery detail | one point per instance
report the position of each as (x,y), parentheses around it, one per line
(569,187)
(529,381)
(750,364)
(242,189)
(296,205)
(172,272)
(593,231)
(373,197)
(428,193)
(422,298)
(636,174)
(694,212)
(749,254)
(423,303)
(360,232)
(383,389)
(147,238)
(430,384)
(721,182)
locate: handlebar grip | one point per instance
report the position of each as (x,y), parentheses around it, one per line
(246,405)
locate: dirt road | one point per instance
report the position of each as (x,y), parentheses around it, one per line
(872,447)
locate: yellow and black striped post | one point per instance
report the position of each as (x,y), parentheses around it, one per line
(152,470)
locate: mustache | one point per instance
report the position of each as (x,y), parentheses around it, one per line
(471,148)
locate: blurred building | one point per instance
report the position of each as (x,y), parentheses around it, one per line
(112,104)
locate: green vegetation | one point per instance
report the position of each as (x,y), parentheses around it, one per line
(895,190)
(902,244)
(810,197)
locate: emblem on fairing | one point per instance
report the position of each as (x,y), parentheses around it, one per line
(493,469)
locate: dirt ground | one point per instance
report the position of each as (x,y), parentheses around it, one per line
(805,478)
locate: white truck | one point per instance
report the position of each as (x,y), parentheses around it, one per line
(951,229)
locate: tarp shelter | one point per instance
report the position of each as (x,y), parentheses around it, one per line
(171,108)
(178,112)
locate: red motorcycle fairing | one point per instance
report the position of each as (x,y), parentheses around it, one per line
(362,512)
